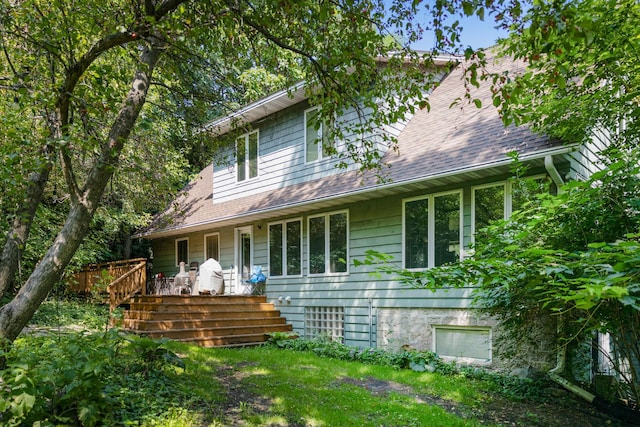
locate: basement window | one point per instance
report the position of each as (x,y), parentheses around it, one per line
(470,344)
(324,322)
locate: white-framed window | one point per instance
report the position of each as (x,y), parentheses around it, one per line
(247,156)
(212,246)
(243,253)
(432,230)
(491,202)
(316,136)
(469,343)
(324,322)
(328,236)
(488,203)
(285,248)
(182,251)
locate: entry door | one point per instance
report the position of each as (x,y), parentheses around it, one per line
(244,257)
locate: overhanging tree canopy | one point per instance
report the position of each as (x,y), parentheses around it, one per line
(75,77)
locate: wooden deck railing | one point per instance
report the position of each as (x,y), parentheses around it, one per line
(128,285)
(93,274)
(124,278)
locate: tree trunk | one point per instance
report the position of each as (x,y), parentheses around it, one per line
(15,314)
(19,232)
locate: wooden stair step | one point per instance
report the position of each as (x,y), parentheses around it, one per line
(229,341)
(199,315)
(169,324)
(216,331)
(199,299)
(210,321)
(179,307)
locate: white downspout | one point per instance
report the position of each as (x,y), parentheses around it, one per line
(554,373)
(553,172)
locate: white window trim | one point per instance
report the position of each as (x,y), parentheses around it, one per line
(246,165)
(204,249)
(431,227)
(320,144)
(327,249)
(470,360)
(284,246)
(506,202)
(508,198)
(176,250)
(237,283)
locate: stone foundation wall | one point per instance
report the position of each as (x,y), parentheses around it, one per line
(414,327)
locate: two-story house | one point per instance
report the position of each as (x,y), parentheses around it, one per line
(280,203)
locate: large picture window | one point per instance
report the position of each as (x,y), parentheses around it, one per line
(247,156)
(432,230)
(328,237)
(285,248)
(317,142)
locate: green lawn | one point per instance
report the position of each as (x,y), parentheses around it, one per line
(268,386)
(72,372)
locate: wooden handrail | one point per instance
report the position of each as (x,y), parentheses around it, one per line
(84,281)
(128,284)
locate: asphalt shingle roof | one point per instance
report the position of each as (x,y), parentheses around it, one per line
(436,141)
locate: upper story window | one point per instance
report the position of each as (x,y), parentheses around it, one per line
(285,248)
(432,233)
(247,156)
(328,243)
(316,136)
(182,251)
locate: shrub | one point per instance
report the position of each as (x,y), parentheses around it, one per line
(84,379)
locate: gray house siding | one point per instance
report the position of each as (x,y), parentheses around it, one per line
(281,158)
(373,224)
(441,150)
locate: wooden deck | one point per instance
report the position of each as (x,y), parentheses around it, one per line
(209,321)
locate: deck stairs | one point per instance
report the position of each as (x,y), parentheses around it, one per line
(209,321)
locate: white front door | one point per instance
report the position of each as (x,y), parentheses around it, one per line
(243,258)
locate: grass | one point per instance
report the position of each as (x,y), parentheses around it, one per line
(56,312)
(138,382)
(300,388)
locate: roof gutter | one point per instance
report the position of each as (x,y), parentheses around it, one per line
(533,156)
